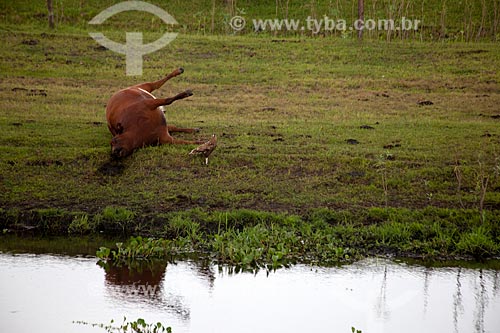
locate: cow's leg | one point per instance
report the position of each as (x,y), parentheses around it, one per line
(152,104)
(152,86)
(172,128)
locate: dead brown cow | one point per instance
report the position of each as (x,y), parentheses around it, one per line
(136,118)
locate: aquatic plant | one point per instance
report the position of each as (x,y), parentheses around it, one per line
(275,241)
(255,247)
(136,326)
(256,240)
(136,248)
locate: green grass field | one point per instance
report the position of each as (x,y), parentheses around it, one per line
(304,124)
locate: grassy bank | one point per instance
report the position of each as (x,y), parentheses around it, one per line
(251,239)
(406,130)
(302,124)
(256,239)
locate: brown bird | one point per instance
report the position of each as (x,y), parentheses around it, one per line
(206,149)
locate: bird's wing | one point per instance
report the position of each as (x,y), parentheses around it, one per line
(202,148)
(206,147)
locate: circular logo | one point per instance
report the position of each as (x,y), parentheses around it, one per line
(237,23)
(134,48)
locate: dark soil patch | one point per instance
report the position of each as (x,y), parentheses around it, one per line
(111,168)
(368,127)
(286,41)
(462,53)
(494,116)
(37,92)
(392,145)
(31,92)
(31,42)
(100,48)
(96,123)
(425,103)
(352,141)
(44,163)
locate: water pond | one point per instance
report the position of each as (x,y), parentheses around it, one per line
(47,293)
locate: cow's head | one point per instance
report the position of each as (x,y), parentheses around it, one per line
(120,147)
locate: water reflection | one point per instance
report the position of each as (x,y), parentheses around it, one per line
(144,283)
(458,307)
(40,293)
(381,305)
(139,282)
(481,303)
(426,288)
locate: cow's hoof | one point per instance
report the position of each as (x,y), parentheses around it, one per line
(181,70)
